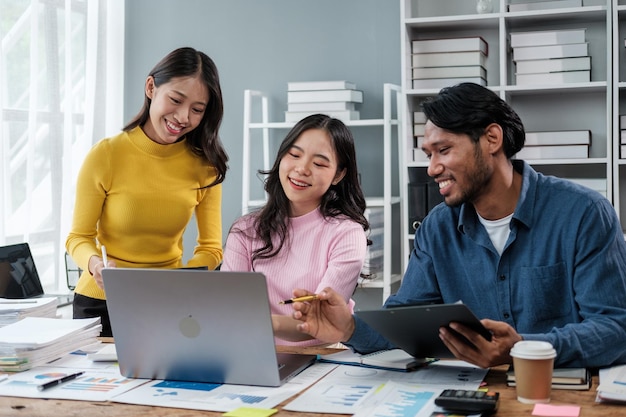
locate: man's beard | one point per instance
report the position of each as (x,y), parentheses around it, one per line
(479,178)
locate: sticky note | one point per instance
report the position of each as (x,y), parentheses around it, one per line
(250,412)
(556,410)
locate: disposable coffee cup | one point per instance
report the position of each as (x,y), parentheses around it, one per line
(533,363)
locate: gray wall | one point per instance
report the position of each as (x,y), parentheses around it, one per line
(263,44)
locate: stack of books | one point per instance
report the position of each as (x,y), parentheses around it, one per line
(35,341)
(544,5)
(415,153)
(12,310)
(556,145)
(438,63)
(336,99)
(622,135)
(373,265)
(562,378)
(551,57)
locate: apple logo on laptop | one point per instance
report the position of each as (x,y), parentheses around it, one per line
(189,327)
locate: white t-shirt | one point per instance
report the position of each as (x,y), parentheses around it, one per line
(498,231)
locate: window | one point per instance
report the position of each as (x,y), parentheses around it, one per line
(60,90)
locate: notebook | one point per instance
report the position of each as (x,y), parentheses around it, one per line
(396,359)
(198,326)
(415,329)
(19,277)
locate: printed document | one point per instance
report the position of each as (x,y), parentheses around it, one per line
(346,389)
(216,397)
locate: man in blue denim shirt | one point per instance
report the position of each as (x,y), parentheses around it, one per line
(539,258)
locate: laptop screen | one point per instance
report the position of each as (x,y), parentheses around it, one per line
(18,274)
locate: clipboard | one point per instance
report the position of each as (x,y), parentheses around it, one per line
(415,329)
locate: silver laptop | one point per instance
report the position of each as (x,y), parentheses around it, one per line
(193,325)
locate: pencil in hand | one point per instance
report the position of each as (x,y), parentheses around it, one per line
(300,299)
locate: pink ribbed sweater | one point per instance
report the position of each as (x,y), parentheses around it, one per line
(321,253)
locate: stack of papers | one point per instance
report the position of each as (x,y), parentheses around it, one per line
(12,310)
(35,341)
(612,387)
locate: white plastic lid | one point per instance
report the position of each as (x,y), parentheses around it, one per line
(533,349)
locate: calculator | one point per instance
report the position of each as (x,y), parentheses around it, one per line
(468,400)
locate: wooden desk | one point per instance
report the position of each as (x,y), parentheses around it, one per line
(496,378)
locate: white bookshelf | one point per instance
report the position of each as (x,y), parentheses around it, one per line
(619,103)
(575,106)
(258,154)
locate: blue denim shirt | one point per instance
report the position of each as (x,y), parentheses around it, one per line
(561,276)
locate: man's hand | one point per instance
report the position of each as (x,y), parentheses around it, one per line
(328,319)
(485,353)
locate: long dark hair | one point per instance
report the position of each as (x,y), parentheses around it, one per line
(468,108)
(204,140)
(343,199)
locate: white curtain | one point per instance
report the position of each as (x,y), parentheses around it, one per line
(61,90)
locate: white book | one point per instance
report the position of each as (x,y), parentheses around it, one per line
(553,65)
(450,72)
(622,137)
(550,51)
(544,5)
(622,121)
(419,117)
(419,155)
(446,82)
(418,129)
(324,95)
(475,43)
(343,115)
(553,78)
(553,152)
(449,59)
(623,151)
(547,37)
(562,137)
(320,85)
(322,106)
(375,215)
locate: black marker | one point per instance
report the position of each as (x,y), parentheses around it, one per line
(56,382)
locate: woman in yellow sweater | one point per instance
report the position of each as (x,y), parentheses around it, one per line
(137,191)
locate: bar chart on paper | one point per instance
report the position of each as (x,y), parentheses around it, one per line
(347,395)
(399,400)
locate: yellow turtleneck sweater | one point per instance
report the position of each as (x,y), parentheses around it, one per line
(136,197)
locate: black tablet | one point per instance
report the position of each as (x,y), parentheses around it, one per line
(415,329)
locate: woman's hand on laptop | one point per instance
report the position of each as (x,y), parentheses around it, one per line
(328,318)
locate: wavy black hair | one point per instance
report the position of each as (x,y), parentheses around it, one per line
(468,108)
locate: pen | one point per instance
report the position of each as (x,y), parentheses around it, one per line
(105,260)
(305,298)
(56,382)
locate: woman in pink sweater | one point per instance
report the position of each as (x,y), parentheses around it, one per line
(311,233)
